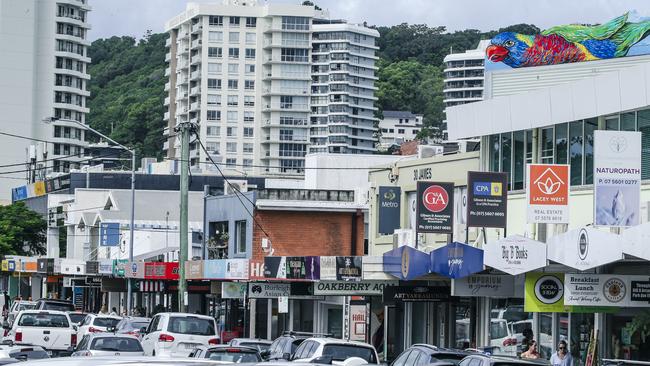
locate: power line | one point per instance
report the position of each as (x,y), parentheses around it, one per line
(25,137)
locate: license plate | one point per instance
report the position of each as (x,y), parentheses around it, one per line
(191,346)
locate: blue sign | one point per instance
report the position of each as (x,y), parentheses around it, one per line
(19,193)
(214,269)
(406,263)
(457,260)
(488,189)
(109,234)
(11,266)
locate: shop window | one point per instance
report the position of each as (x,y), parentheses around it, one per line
(218,240)
(506,155)
(518,157)
(575,152)
(591,125)
(240,237)
(546,145)
(628,121)
(529,146)
(611,124)
(494,153)
(643,122)
(561,143)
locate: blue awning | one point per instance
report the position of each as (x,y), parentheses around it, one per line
(457,260)
(406,263)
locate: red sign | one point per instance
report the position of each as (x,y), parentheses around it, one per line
(548,193)
(435,198)
(161,271)
(256,270)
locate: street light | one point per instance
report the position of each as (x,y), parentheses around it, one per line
(132,223)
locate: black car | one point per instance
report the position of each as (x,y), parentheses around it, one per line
(54,304)
(283,347)
(487,360)
(226,353)
(424,354)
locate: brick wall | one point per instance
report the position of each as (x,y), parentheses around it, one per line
(300,233)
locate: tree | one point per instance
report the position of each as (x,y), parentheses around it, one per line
(22,231)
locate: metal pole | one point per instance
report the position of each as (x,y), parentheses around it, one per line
(183,225)
(131,232)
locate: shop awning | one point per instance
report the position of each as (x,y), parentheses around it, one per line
(457,260)
(515,254)
(636,241)
(406,263)
(586,248)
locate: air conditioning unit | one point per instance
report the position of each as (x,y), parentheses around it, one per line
(404,237)
(239,185)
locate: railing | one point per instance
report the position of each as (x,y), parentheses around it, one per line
(305,195)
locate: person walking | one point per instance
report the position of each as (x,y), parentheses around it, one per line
(562,357)
(531,353)
(114,311)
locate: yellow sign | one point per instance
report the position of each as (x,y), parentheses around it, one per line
(39,188)
(5,265)
(544,293)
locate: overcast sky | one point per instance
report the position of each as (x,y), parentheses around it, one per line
(134,17)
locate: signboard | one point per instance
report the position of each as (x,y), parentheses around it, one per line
(435,208)
(233,290)
(268,290)
(105,266)
(45,265)
(544,292)
(487,285)
(136,270)
(585,248)
(349,268)
(109,234)
(194,270)
(229,269)
(302,268)
(160,271)
(275,267)
(92,267)
(456,260)
(515,254)
(74,267)
(256,271)
(237,269)
(328,268)
(388,210)
(617,178)
(357,321)
(283,305)
(487,199)
(407,263)
(612,290)
(343,288)
(416,294)
(547,193)
(119,266)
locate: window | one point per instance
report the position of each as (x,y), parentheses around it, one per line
(294,55)
(231,147)
(234,21)
(248,163)
(233,68)
(518,175)
(249,116)
(233,84)
(415,132)
(233,37)
(214,99)
(216,20)
(249,101)
(547,145)
(214,68)
(231,162)
(213,131)
(391,130)
(575,152)
(191,325)
(213,115)
(231,131)
(295,23)
(628,121)
(249,68)
(506,153)
(249,84)
(212,147)
(251,22)
(590,126)
(250,53)
(250,38)
(233,53)
(248,148)
(240,237)
(400,130)
(232,116)
(643,121)
(286,102)
(248,131)
(494,148)
(214,36)
(215,52)
(561,143)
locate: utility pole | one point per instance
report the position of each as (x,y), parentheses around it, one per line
(185,129)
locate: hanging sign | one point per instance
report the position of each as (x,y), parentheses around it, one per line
(275,267)
(435,208)
(267,290)
(544,292)
(484,285)
(233,290)
(388,212)
(547,193)
(487,199)
(585,248)
(456,260)
(349,268)
(109,234)
(407,263)
(328,268)
(302,268)
(515,254)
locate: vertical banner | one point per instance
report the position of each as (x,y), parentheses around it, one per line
(109,234)
(547,193)
(435,208)
(487,199)
(617,178)
(390,199)
(349,268)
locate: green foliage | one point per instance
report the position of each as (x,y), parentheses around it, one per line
(127,91)
(22,231)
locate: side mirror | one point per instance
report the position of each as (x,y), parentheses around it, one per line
(143,330)
(324,360)
(286,356)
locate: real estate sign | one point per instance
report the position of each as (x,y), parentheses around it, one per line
(547,193)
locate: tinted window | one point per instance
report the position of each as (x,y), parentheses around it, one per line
(44,320)
(341,352)
(154,324)
(259,346)
(301,351)
(83,343)
(451,357)
(294,344)
(402,358)
(29,353)
(191,325)
(116,344)
(135,325)
(56,306)
(234,357)
(106,322)
(77,317)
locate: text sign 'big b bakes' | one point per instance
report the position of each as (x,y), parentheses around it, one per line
(435,209)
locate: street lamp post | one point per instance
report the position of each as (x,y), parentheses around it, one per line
(132,219)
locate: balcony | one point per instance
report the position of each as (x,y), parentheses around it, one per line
(166,116)
(286,91)
(168,71)
(197,27)
(195,75)
(195,106)
(166,101)
(305,195)
(195,90)
(168,42)
(196,43)
(166,145)
(196,59)
(287,107)
(168,57)
(167,86)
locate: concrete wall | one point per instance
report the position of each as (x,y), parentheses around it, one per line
(229,208)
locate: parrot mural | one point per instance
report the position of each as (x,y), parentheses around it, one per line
(567,43)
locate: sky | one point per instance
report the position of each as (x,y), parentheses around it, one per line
(134,17)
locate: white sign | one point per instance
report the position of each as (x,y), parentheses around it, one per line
(106,266)
(328,268)
(606,290)
(617,178)
(585,248)
(71,266)
(637,241)
(345,288)
(237,269)
(233,290)
(268,290)
(515,254)
(484,285)
(357,320)
(283,305)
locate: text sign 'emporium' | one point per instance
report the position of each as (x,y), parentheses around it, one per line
(515,254)
(435,208)
(547,193)
(617,178)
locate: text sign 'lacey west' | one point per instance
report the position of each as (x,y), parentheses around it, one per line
(547,194)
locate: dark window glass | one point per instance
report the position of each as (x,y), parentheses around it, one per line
(518,176)
(43,320)
(506,153)
(628,121)
(643,119)
(611,124)
(575,152)
(547,143)
(233,357)
(494,153)
(561,143)
(341,352)
(106,322)
(191,325)
(116,344)
(591,125)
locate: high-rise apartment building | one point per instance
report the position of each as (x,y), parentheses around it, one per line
(44,76)
(243,72)
(464,76)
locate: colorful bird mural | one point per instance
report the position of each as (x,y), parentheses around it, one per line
(567,43)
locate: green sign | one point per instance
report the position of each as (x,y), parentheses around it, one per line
(544,293)
(118,267)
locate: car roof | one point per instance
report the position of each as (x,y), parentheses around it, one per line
(137,319)
(225,346)
(36,311)
(29,302)
(124,360)
(251,340)
(55,300)
(110,335)
(327,340)
(493,359)
(187,315)
(440,349)
(105,316)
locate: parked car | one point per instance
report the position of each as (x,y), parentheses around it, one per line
(422,354)
(106,344)
(285,345)
(177,334)
(332,350)
(76,317)
(19,306)
(501,337)
(130,325)
(614,362)
(479,359)
(51,330)
(130,361)
(259,344)
(54,304)
(97,324)
(227,353)
(12,353)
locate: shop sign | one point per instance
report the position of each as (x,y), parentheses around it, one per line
(349,268)
(233,290)
(70,266)
(9,265)
(283,305)
(302,290)
(268,290)
(435,208)
(302,268)
(119,267)
(389,209)
(92,267)
(256,270)
(457,260)
(160,271)
(407,263)
(484,285)
(357,321)
(236,269)
(617,178)
(109,234)
(105,266)
(636,241)
(585,248)
(547,193)
(416,294)
(544,292)
(328,268)
(275,267)
(194,270)
(611,290)
(45,265)
(26,264)
(113,284)
(515,254)
(135,270)
(343,288)
(487,199)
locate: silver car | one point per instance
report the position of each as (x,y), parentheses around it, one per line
(126,361)
(106,344)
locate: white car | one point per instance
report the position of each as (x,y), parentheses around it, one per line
(106,344)
(177,334)
(501,336)
(49,329)
(320,350)
(97,324)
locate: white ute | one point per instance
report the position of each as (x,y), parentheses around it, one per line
(49,329)
(178,334)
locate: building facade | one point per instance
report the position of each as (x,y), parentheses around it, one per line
(398,127)
(45,78)
(464,76)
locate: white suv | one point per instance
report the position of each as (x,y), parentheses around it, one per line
(49,329)
(177,334)
(321,349)
(97,324)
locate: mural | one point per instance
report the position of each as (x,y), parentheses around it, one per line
(569,43)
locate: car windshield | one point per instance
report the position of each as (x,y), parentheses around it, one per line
(77,317)
(234,357)
(191,325)
(498,330)
(105,322)
(135,325)
(29,353)
(341,352)
(24,306)
(44,320)
(116,344)
(259,346)
(58,306)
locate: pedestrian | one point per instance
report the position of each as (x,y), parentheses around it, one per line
(531,353)
(104,310)
(528,338)
(113,311)
(562,357)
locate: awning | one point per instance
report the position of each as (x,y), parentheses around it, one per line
(457,260)
(406,263)
(586,248)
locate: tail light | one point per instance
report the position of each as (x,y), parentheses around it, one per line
(94,330)
(19,337)
(233,350)
(510,342)
(5,332)
(73,340)
(214,341)
(165,338)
